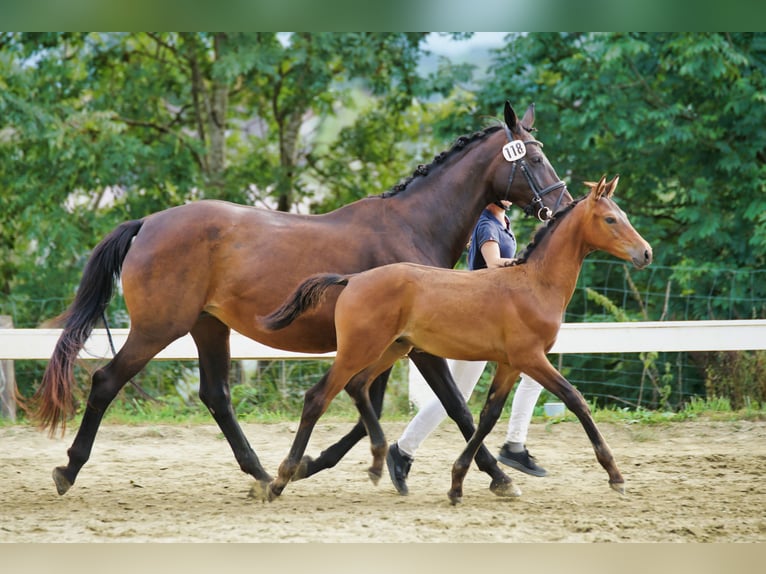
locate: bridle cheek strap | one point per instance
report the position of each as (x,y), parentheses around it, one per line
(536,207)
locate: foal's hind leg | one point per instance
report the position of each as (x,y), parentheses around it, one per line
(315,403)
(212,339)
(330,456)
(105,385)
(358,389)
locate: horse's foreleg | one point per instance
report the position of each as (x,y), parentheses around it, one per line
(551,379)
(498,393)
(212,339)
(437,375)
(330,456)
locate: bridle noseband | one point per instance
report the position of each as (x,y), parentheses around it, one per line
(536,207)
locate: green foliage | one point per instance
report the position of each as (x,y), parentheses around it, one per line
(679,116)
(740,377)
(96,128)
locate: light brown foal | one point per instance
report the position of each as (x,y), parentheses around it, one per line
(511,316)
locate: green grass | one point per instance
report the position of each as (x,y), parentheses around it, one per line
(131,411)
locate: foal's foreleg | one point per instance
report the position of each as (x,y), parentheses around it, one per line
(498,393)
(543,372)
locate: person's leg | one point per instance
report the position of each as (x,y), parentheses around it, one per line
(402,452)
(466,375)
(514,452)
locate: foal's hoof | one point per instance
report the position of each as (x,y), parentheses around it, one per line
(261,490)
(505,488)
(303,468)
(62,482)
(374,475)
(618,487)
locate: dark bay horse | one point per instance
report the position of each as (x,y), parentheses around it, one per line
(210,266)
(509,315)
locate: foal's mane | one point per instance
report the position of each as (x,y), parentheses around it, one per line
(545,229)
(423,169)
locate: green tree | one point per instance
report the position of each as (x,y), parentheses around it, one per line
(680,116)
(96,128)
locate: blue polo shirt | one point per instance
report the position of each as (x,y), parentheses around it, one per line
(490,229)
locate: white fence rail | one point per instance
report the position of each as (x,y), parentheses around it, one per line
(670,336)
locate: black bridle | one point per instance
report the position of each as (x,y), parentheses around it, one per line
(536,207)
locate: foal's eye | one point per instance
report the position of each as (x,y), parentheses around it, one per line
(610,220)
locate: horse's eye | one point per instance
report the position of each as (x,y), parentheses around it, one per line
(610,220)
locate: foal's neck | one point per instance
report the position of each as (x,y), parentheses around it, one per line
(558,260)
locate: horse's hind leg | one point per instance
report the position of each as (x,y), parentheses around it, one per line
(330,456)
(212,339)
(106,383)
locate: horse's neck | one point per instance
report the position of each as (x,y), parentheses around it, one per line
(454,195)
(558,260)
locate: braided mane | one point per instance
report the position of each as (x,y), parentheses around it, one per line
(423,169)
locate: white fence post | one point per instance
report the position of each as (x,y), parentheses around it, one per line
(7,379)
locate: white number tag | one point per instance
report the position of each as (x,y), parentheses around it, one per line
(514,150)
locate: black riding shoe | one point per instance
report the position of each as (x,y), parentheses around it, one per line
(522,461)
(399,465)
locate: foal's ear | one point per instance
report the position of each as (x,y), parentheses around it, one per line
(597,189)
(612,185)
(510,118)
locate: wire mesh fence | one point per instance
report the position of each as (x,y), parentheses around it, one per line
(607,290)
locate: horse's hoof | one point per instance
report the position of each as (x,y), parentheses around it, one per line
(303,469)
(618,487)
(505,488)
(455,498)
(374,475)
(62,482)
(260,491)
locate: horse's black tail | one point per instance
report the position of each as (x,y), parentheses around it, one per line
(308,295)
(53,399)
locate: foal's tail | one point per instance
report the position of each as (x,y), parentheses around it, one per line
(53,400)
(306,296)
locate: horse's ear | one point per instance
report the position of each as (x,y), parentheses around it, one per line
(528,121)
(510,118)
(612,185)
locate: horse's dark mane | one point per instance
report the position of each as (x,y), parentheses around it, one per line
(545,229)
(422,170)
